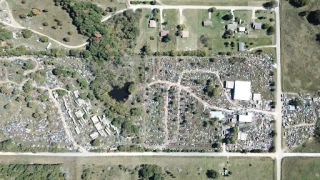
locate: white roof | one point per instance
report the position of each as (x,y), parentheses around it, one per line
(94,119)
(94,135)
(98,126)
(242,136)
(256,97)
(245,118)
(242,90)
(217,114)
(241,29)
(230,84)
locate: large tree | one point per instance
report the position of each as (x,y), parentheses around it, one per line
(314,17)
(271,4)
(299,3)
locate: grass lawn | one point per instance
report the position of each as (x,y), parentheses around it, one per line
(120,4)
(170,21)
(54,12)
(311,146)
(302,168)
(299,49)
(146,33)
(261,168)
(214,2)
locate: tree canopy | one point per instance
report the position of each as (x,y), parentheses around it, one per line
(314,17)
(299,3)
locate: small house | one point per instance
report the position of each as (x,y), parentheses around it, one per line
(231,27)
(164,33)
(184,34)
(241,29)
(207,23)
(256,25)
(152,24)
(241,46)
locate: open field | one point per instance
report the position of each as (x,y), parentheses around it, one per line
(54,13)
(251,168)
(147,33)
(299,49)
(301,168)
(214,2)
(311,146)
(170,21)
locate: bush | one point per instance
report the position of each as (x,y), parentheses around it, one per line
(45,10)
(66,39)
(26,33)
(271,30)
(314,17)
(271,4)
(22,16)
(227,17)
(44,39)
(5,34)
(299,3)
(265,26)
(45,24)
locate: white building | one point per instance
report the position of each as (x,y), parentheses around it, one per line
(217,114)
(79,114)
(94,119)
(241,29)
(242,90)
(245,118)
(242,136)
(229,84)
(94,135)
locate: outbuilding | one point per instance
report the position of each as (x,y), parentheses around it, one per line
(242,90)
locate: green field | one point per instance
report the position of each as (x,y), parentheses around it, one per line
(311,146)
(215,2)
(171,20)
(241,168)
(301,168)
(299,49)
(54,12)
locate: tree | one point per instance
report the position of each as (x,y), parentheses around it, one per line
(145,50)
(167,38)
(26,33)
(212,174)
(66,39)
(45,24)
(227,17)
(45,10)
(271,4)
(5,34)
(135,112)
(27,87)
(271,30)
(265,26)
(61,92)
(314,17)
(96,142)
(228,34)
(22,16)
(299,3)
(7,106)
(212,9)
(131,88)
(181,27)
(28,65)
(44,39)
(82,83)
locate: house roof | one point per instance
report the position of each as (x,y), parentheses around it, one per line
(242,90)
(242,136)
(207,23)
(185,34)
(164,33)
(256,97)
(217,114)
(231,27)
(245,118)
(241,46)
(241,29)
(152,24)
(256,25)
(229,84)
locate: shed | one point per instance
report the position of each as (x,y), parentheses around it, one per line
(256,25)
(217,114)
(185,34)
(241,29)
(229,84)
(207,23)
(245,118)
(256,97)
(164,33)
(152,24)
(241,46)
(231,27)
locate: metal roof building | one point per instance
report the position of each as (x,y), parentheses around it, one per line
(242,90)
